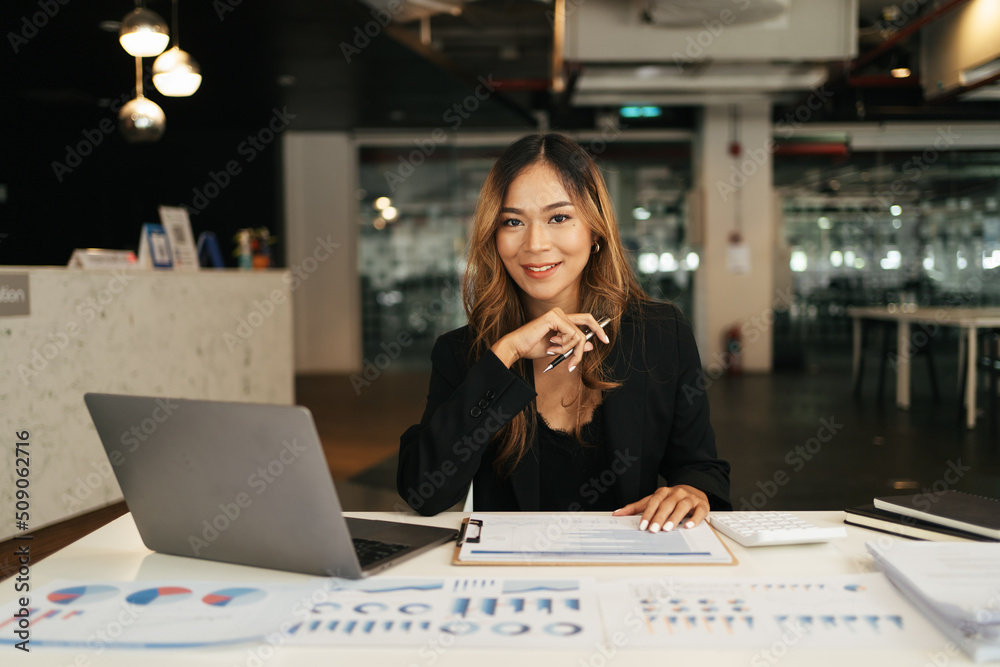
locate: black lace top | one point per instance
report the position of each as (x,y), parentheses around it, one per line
(571,472)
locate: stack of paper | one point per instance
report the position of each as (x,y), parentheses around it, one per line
(956,585)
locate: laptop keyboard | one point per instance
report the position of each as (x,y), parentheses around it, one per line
(371,551)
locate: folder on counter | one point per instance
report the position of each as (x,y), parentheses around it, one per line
(583,539)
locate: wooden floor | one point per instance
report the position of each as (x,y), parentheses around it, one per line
(46,541)
(360,429)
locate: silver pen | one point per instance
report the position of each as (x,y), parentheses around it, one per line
(603,322)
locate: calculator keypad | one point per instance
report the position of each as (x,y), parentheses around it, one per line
(757,529)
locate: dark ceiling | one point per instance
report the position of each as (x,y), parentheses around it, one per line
(309,59)
(315,57)
(246,52)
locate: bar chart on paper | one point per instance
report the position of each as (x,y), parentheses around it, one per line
(707,612)
(465,612)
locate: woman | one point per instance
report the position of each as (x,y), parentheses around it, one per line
(545,263)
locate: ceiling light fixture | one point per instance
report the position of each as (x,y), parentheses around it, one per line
(141,120)
(175,72)
(144,33)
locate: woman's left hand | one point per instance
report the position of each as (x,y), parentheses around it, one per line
(667,507)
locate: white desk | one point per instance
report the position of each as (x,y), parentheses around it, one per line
(115,552)
(969,319)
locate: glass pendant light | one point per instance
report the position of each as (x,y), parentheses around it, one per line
(141,120)
(176,73)
(144,33)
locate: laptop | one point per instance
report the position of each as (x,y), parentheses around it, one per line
(242,483)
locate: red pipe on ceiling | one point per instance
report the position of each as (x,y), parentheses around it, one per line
(806,148)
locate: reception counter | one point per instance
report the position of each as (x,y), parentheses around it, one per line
(223,335)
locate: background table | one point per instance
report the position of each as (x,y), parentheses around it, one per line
(115,552)
(971,320)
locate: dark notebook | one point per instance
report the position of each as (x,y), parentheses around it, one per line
(907,526)
(955,509)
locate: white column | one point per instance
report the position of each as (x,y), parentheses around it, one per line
(736,195)
(321,210)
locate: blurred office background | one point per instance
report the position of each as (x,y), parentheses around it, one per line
(773,163)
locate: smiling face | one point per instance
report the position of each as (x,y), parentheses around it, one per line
(542,241)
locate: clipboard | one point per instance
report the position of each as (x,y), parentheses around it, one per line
(471,531)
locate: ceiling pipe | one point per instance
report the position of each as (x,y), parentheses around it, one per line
(807,148)
(408,39)
(842,74)
(533,85)
(904,32)
(952,94)
(558,43)
(883,81)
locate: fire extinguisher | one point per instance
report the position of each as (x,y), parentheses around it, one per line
(734,351)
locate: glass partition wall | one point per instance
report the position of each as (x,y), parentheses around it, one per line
(415,213)
(859,228)
(879,228)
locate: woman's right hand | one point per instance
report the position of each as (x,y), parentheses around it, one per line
(552,334)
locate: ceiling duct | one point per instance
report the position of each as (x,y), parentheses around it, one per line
(688,13)
(415,10)
(704,52)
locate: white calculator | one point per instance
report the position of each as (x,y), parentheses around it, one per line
(761,529)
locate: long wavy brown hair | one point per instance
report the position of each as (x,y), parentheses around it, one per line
(492,298)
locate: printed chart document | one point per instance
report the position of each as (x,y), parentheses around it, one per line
(145,615)
(452,611)
(449,611)
(859,611)
(564,539)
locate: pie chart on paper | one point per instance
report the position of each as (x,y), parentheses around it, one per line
(234,597)
(160,595)
(82,594)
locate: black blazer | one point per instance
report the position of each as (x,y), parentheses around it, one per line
(656,422)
